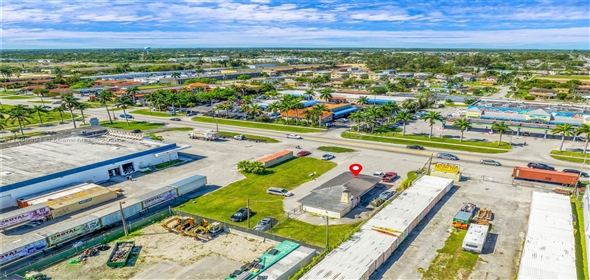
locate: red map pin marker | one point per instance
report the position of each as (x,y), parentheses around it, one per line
(355,169)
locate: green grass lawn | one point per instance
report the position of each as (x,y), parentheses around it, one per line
(48,118)
(152,87)
(221,204)
(568,156)
(249,136)
(169,163)
(17,97)
(575,77)
(452,262)
(581,261)
(133,125)
(435,142)
(155,113)
(335,149)
(251,124)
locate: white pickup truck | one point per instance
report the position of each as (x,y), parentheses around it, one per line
(208,135)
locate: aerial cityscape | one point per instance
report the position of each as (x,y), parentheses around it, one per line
(265,139)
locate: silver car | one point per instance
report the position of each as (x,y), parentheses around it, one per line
(279,191)
(490,162)
(293,136)
(265,224)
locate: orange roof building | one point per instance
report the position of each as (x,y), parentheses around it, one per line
(326,116)
(277,158)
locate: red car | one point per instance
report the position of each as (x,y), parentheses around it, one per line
(389,176)
(303,153)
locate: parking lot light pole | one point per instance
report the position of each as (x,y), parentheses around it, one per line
(123,217)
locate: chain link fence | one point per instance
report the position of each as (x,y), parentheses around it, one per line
(102,238)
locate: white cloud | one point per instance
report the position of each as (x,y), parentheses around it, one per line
(260,1)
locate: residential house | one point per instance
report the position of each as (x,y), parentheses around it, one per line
(422,76)
(583,90)
(339,75)
(198,86)
(304,73)
(378,76)
(359,75)
(389,71)
(405,75)
(543,93)
(322,73)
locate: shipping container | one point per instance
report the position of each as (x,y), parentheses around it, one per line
(86,199)
(158,196)
(112,215)
(23,215)
(548,176)
(52,194)
(189,184)
(70,230)
(27,246)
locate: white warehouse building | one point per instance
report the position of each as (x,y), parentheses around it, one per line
(73,157)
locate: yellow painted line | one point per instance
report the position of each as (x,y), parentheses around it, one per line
(396,149)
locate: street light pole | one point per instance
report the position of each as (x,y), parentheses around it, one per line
(327,232)
(123,217)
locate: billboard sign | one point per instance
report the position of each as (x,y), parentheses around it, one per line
(24,217)
(447,168)
(159,198)
(73,232)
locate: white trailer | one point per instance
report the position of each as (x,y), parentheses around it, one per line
(208,135)
(476,238)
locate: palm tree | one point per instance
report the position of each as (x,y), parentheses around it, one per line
(82,106)
(171,98)
(431,118)
(60,110)
(565,129)
(39,109)
(501,127)
(104,97)
(584,129)
(326,94)
(404,117)
(357,117)
(71,103)
(362,101)
(274,108)
(175,75)
(14,131)
(319,111)
(123,102)
(271,94)
(463,124)
(255,109)
(131,91)
(21,114)
(373,113)
(219,107)
(3,124)
(410,104)
(391,108)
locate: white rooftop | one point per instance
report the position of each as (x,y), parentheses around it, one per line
(549,248)
(476,234)
(353,259)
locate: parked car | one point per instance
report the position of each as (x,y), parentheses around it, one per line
(125,116)
(328,157)
(389,176)
(279,191)
(490,162)
(387,194)
(537,165)
(240,137)
(137,131)
(303,153)
(47,107)
(56,102)
(191,114)
(447,156)
(293,136)
(526,134)
(175,119)
(582,174)
(415,147)
(241,215)
(378,174)
(265,224)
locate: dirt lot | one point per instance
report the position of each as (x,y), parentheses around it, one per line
(167,255)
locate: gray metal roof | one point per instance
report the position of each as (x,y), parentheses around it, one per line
(328,195)
(356,186)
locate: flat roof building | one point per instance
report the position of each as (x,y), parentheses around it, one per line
(549,248)
(76,156)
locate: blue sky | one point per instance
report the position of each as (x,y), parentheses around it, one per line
(518,24)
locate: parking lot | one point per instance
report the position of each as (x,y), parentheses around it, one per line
(501,255)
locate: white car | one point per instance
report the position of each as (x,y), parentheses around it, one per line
(379,174)
(328,157)
(293,136)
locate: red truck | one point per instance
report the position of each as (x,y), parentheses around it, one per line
(548,176)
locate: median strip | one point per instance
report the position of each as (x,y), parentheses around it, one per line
(258,125)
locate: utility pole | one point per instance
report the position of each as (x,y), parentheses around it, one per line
(123,217)
(248,213)
(327,232)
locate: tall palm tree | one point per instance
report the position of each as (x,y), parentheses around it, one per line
(104,97)
(255,109)
(431,118)
(175,75)
(326,94)
(391,109)
(358,117)
(319,110)
(70,102)
(404,117)
(171,98)
(274,108)
(501,127)
(463,124)
(309,115)
(3,124)
(82,106)
(60,110)
(132,91)
(410,104)
(39,109)
(20,114)
(362,101)
(584,129)
(565,129)
(123,102)
(373,113)
(272,94)
(219,107)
